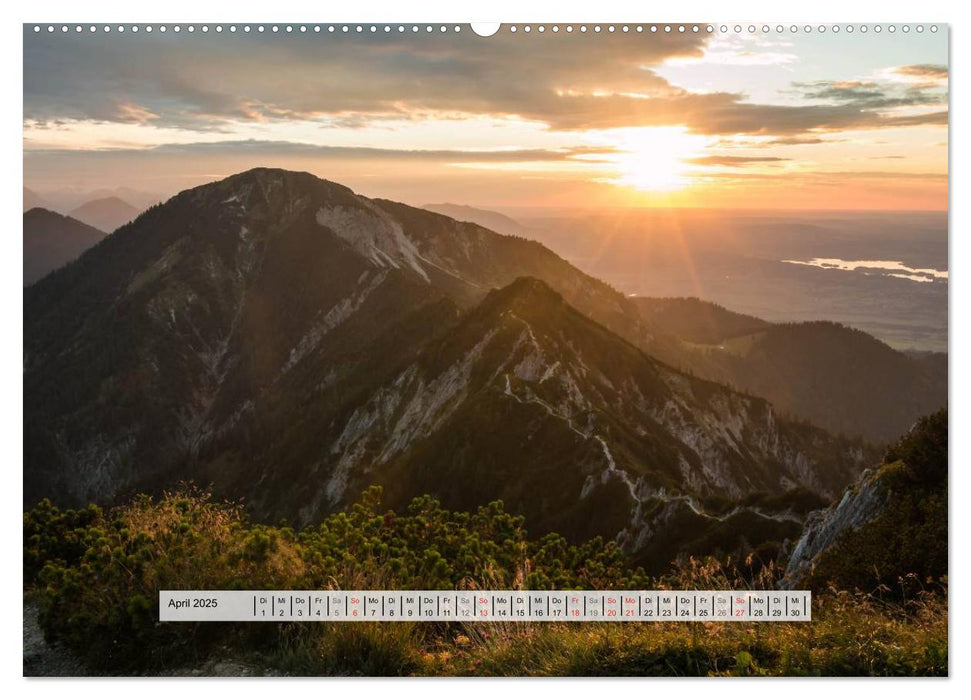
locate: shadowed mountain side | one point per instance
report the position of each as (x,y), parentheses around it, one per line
(696,321)
(836,377)
(51,241)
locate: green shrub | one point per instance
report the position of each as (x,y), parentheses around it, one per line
(98,573)
(96,576)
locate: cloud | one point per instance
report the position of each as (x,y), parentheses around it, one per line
(923,72)
(194,79)
(734,161)
(842,91)
(134,114)
(869,94)
(287,148)
(828,177)
(207,83)
(741,50)
(933,118)
(801,141)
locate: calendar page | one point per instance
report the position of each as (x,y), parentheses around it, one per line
(521,349)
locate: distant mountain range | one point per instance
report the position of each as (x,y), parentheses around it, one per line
(106,214)
(52,240)
(492,220)
(292,342)
(32,200)
(64,200)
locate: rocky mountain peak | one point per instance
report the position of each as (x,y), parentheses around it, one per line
(528,293)
(292,342)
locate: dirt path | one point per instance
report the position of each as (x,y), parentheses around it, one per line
(41,658)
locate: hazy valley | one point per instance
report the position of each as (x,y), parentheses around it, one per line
(881,272)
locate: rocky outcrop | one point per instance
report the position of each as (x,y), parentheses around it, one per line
(860,504)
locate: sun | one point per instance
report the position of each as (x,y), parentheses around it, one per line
(655,159)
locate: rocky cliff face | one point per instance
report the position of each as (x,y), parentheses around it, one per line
(860,504)
(889,531)
(528,401)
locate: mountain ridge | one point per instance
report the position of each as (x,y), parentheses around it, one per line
(291,342)
(106,213)
(487,218)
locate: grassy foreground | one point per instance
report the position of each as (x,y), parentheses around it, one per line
(95,575)
(851,636)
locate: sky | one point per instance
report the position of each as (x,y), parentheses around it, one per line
(762,120)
